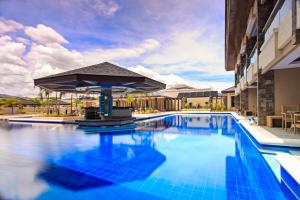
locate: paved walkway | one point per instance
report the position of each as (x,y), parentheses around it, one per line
(6,117)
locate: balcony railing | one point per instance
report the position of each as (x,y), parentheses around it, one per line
(285,24)
(252,69)
(278,34)
(269,51)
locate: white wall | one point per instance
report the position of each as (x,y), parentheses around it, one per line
(198,100)
(287,88)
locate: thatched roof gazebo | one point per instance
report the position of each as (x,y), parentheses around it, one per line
(103,78)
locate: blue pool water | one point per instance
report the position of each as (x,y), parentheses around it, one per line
(196,156)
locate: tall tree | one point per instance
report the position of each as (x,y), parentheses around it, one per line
(9,102)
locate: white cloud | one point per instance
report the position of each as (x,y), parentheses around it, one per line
(98,55)
(53,56)
(105,7)
(46,70)
(9,25)
(15,75)
(89,8)
(58,58)
(10,51)
(23,40)
(44,34)
(22,60)
(215,85)
(171,79)
(189,51)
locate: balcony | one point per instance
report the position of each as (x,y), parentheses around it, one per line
(277,35)
(269,51)
(252,74)
(252,68)
(285,31)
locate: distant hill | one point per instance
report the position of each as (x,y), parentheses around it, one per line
(23,101)
(7,96)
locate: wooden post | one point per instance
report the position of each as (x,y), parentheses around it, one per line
(71,104)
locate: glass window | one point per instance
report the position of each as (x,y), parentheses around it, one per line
(253,57)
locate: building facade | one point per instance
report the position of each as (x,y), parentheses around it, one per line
(262,47)
(229,98)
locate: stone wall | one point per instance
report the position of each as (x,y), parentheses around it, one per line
(266,104)
(237,102)
(244,100)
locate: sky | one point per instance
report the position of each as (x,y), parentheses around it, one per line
(173,41)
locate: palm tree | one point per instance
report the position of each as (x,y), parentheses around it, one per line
(36,100)
(47,94)
(41,94)
(78,102)
(130,99)
(9,102)
(61,94)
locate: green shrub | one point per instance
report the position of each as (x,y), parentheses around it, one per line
(223,107)
(218,107)
(148,111)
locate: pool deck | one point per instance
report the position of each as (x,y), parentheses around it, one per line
(270,136)
(36,118)
(291,165)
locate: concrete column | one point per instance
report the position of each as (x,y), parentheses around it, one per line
(105,102)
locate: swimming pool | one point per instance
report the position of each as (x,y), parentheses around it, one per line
(197,156)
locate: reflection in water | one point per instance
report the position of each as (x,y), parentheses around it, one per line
(183,156)
(191,124)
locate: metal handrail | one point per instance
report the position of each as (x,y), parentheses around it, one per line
(273,14)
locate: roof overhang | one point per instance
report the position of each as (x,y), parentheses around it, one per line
(236,17)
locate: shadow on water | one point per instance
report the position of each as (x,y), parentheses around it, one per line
(104,165)
(70,179)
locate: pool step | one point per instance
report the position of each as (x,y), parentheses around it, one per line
(290,173)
